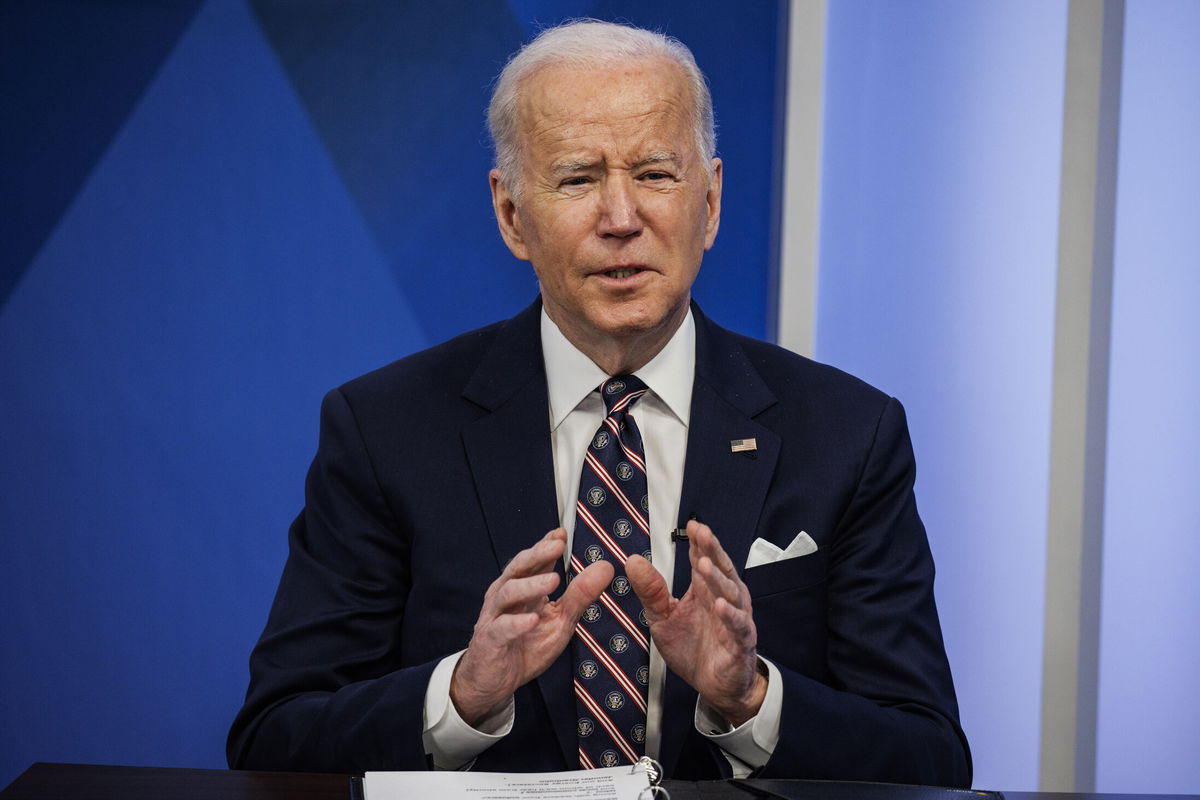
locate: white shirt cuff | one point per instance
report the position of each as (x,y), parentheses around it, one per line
(750,745)
(453,744)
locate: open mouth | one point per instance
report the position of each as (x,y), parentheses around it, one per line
(622,272)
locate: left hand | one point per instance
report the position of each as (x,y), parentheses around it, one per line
(520,631)
(707,637)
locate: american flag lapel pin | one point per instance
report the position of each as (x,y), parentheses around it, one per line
(743,445)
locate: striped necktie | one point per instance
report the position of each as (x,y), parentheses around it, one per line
(611,645)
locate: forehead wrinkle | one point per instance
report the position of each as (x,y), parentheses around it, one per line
(564,130)
(558,120)
(549,111)
(612,152)
(569,126)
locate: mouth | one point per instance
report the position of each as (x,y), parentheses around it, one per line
(620,273)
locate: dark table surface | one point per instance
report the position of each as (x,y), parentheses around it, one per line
(93,782)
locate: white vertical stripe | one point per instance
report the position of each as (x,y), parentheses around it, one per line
(801,195)
(1079,413)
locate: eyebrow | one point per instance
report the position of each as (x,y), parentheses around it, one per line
(657,157)
(569,166)
(573,165)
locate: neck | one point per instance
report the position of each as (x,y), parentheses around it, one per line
(621,355)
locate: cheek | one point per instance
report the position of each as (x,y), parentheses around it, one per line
(559,237)
(684,220)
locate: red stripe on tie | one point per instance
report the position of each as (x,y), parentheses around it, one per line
(607,723)
(582,512)
(584,761)
(628,624)
(626,401)
(632,455)
(618,674)
(607,600)
(615,488)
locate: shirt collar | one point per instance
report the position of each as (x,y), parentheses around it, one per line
(571,375)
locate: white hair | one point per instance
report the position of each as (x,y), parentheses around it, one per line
(590,43)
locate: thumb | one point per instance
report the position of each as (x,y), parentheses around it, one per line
(585,588)
(650,587)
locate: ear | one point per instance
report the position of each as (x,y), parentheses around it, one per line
(713,199)
(506,216)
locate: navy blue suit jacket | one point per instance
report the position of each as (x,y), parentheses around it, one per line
(434,471)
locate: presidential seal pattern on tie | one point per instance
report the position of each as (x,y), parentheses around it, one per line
(611,646)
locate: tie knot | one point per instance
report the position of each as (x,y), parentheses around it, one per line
(620,392)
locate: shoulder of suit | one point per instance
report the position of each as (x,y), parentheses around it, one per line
(425,374)
(790,374)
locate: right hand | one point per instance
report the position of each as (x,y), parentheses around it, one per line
(520,632)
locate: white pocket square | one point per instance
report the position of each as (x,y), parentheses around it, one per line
(763,552)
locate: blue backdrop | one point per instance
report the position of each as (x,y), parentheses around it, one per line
(212,211)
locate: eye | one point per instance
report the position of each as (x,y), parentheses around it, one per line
(578,180)
(657,175)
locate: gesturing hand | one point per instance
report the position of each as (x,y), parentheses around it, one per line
(520,632)
(707,637)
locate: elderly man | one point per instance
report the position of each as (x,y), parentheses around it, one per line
(426,619)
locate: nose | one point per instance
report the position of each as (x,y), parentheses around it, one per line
(619,214)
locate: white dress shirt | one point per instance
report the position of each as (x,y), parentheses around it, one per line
(662,415)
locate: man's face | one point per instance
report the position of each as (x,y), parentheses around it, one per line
(616,208)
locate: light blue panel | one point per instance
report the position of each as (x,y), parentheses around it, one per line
(1149,728)
(937,280)
(163,360)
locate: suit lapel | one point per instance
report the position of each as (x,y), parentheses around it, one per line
(512,465)
(721,488)
(509,448)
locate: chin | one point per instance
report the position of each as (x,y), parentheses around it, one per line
(630,325)
(632,320)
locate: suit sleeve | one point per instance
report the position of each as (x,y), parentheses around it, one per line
(886,710)
(316,701)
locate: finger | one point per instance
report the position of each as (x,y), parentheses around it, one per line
(506,628)
(739,622)
(584,589)
(523,594)
(700,538)
(721,579)
(537,559)
(698,535)
(705,542)
(719,585)
(649,586)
